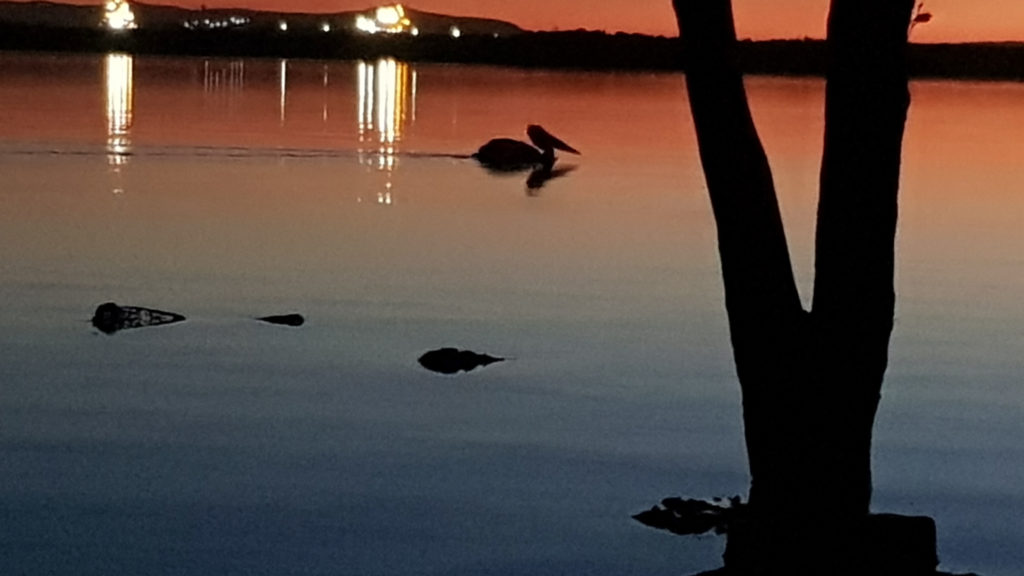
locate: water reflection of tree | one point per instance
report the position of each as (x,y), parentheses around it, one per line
(811,380)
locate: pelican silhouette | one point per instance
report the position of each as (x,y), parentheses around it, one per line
(509,154)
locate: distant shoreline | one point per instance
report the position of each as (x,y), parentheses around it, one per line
(579,50)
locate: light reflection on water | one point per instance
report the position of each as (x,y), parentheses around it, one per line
(120,100)
(254,187)
(387,102)
(223,77)
(284,90)
(385,95)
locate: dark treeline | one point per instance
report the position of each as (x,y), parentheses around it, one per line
(570,50)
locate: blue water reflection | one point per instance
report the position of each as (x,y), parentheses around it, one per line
(229,446)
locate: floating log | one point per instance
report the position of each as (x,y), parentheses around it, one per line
(110,317)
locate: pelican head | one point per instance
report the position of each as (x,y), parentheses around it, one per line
(544,140)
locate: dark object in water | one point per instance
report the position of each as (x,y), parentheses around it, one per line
(284,319)
(109,317)
(540,176)
(506,154)
(453,360)
(681,516)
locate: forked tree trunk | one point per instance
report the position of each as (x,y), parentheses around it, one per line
(811,380)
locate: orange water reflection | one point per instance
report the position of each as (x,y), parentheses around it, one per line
(961,165)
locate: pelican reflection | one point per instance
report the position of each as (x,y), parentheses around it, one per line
(540,176)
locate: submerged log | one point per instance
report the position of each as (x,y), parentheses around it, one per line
(453,360)
(110,317)
(687,516)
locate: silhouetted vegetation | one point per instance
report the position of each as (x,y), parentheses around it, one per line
(577,49)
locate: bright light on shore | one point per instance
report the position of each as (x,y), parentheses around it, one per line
(118,15)
(390,15)
(387,19)
(366,24)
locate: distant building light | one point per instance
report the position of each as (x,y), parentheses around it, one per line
(282,26)
(208,24)
(455,32)
(118,15)
(415,31)
(325,27)
(387,19)
(366,24)
(390,15)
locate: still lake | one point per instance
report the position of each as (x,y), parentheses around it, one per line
(230,189)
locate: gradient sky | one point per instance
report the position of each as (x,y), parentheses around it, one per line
(954,20)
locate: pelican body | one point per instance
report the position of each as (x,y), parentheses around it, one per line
(509,154)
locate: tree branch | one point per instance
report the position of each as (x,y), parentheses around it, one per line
(866,104)
(760,291)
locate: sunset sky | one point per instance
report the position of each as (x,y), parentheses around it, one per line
(954,20)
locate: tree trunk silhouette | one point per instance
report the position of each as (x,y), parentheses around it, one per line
(810,380)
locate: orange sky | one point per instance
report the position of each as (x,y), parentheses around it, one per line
(954,20)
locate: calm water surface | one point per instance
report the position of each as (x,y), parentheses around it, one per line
(225,190)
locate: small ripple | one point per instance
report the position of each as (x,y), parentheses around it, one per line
(212,152)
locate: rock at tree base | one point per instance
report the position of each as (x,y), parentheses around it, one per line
(877,545)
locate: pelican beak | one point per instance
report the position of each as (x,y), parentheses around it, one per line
(559,145)
(545,140)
